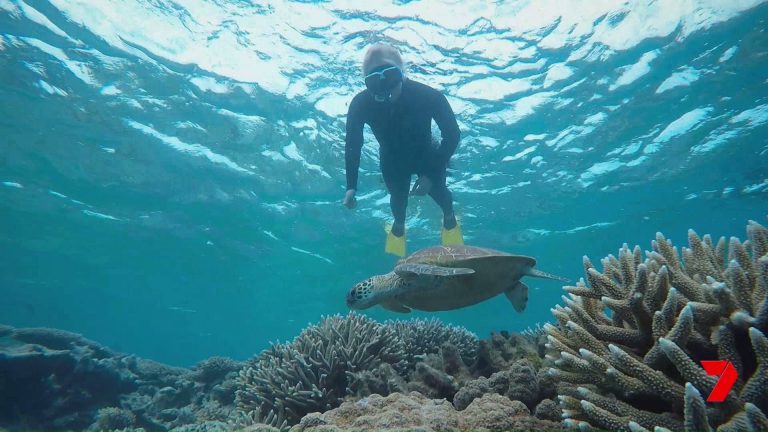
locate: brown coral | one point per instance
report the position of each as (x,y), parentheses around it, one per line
(415,411)
(630,338)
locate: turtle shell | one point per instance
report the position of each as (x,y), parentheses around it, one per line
(494,272)
(455,256)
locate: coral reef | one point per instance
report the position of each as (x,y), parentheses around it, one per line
(519,383)
(508,358)
(112,418)
(53,379)
(503,349)
(548,409)
(440,375)
(215,369)
(628,342)
(624,354)
(415,411)
(312,373)
(354,356)
(508,364)
(426,336)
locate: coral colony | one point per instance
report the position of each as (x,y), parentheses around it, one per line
(625,353)
(626,349)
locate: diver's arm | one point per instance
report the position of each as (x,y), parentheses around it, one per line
(354,142)
(449,128)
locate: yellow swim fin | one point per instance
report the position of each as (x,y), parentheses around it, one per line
(453,236)
(395,245)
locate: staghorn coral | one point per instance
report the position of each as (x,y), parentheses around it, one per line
(314,371)
(354,356)
(628,342)
(536,336)
(426,336)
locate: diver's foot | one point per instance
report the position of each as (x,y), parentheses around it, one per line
(451,235)
(449,221)
(395,244)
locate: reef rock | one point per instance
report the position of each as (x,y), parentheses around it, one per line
(53,379)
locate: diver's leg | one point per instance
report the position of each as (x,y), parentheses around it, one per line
(443,197)
(398,182)
(451,234)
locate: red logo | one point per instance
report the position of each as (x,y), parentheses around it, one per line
(727,373)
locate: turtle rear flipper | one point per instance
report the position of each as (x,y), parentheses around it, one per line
(405,270)
(518,296)
(544,275)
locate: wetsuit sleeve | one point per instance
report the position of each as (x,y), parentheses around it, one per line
(449,128)
(354,142)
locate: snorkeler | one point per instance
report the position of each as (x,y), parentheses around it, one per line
(399,112)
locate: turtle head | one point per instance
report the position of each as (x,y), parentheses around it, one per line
(370,291)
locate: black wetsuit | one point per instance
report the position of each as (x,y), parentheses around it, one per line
(403,129)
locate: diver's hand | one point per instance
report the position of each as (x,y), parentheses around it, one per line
(349,199)
(422,186)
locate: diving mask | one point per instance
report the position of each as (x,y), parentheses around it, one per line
(382,81)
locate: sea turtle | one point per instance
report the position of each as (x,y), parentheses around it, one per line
(448,277)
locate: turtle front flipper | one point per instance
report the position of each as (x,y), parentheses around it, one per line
(405,270)
(394,307)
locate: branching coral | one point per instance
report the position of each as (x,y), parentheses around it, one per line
(629,340)
(426,336)
(350,356)
(312,373)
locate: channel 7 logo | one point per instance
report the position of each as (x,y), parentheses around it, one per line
(728,376)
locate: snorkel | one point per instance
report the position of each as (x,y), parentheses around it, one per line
(383,72)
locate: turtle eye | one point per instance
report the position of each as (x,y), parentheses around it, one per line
(354,295)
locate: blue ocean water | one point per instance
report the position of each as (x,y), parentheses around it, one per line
(171,173)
